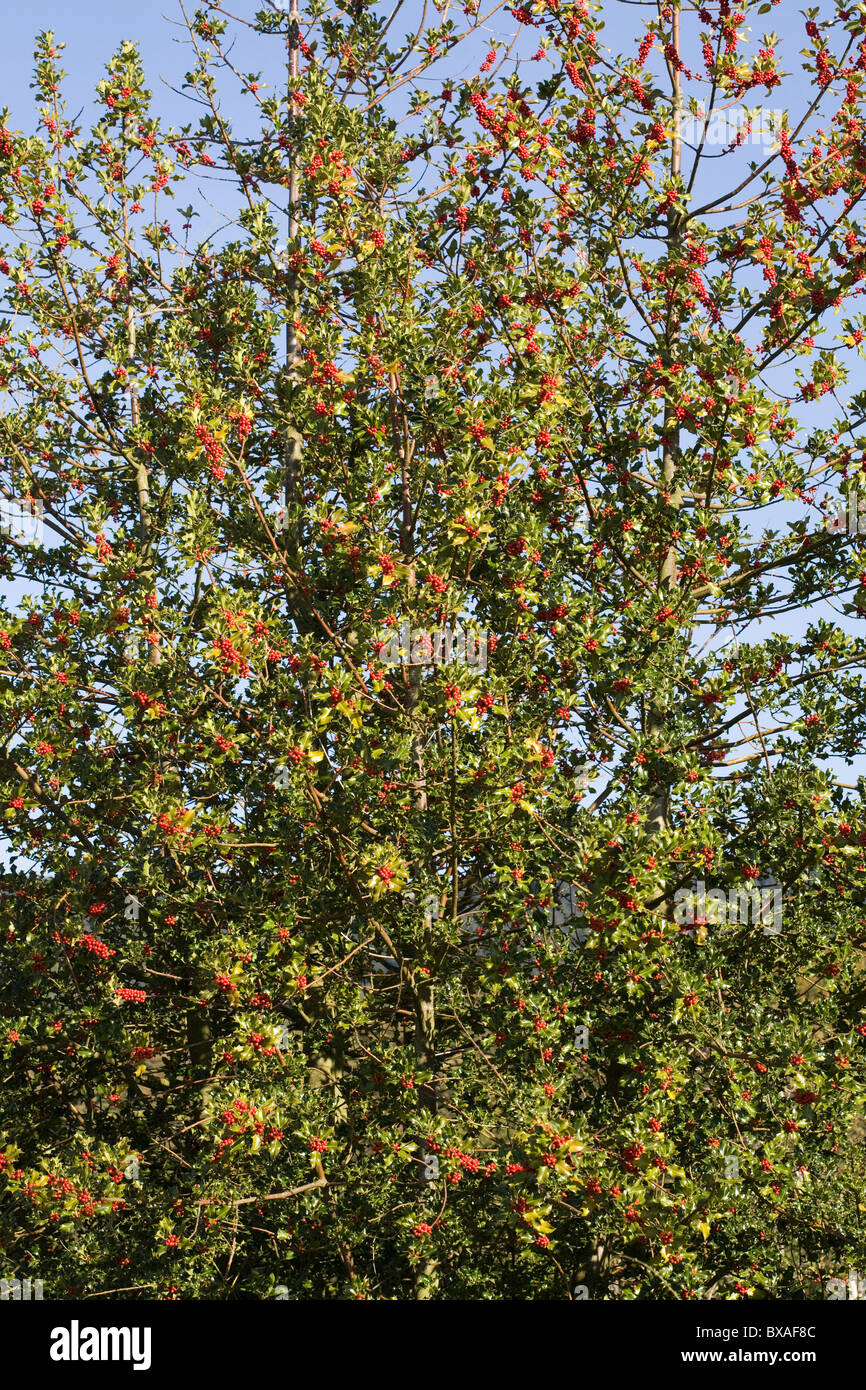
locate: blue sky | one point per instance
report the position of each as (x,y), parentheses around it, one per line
(92,31)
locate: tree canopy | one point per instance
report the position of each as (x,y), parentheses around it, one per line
(341,957)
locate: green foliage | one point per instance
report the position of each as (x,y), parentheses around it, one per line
(286,998)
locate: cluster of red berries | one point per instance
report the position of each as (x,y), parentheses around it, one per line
(99,948)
